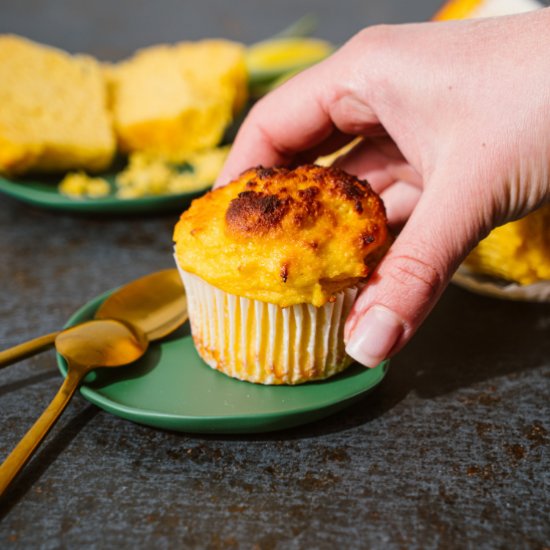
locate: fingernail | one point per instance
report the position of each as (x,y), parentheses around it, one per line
(374,336)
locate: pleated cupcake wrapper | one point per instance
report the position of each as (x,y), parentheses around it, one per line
(497,288)
(264,343)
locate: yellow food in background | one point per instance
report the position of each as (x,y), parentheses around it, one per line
(53,110)
(174,100)
(286,54)
(79,184)
(467,9)
(149,175)
(518,251)
(272,62)
(456,9)
(207,164)
(165,106)
(145,175)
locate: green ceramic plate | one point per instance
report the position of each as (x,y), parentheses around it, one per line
(172,388)
(43,192)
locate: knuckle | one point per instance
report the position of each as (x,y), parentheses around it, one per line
(374,38)
(419,276)
(373,47)
(257,112)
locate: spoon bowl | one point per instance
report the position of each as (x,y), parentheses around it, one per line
(155,304)
(101,343)
(97,343)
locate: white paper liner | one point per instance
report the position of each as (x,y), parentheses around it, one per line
(497,288)
(264,343)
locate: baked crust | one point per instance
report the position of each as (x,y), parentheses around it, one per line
(284,236)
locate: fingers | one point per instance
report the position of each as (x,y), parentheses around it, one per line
(315,106)
(289,120)
(400,199)
(411,277)
(380,162)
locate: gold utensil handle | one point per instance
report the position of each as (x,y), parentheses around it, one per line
(32,439)
(32,347)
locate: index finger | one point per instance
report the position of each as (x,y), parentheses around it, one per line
(289,120)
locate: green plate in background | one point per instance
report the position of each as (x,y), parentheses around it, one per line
(172,388)
(42,191)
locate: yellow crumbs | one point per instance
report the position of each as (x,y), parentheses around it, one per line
(79,184)
(150,175)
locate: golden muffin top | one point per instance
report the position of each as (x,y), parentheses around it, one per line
(284,236)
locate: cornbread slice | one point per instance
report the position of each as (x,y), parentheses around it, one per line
(172,100)
(53,113)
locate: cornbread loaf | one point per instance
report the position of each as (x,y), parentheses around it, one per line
(272,264)
(173,100)
(53,112)
(284,236)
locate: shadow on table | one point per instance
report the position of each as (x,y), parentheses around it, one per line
(467,339)
(44,457)
(28,381)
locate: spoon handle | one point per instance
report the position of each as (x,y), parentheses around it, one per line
(27,349)
(32,439)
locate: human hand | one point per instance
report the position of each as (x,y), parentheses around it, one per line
(456,124)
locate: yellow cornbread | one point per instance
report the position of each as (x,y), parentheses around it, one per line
(283,237)
(518,251)
(173,100)
(53,112)
(148,175)
(272,264)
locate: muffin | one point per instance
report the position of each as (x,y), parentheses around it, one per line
(513,261)
(272,264)
(518,251)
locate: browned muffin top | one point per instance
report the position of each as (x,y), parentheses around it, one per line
(284,236)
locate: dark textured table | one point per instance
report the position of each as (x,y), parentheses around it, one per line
(451,451)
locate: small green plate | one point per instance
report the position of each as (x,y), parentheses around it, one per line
(172,388)
(43,192)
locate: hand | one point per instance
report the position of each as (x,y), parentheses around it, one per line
(456,124)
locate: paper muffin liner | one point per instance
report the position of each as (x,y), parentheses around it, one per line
(264,343)
(497,288)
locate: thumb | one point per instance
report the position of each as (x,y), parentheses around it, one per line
(411,277)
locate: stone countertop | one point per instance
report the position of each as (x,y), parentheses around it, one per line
(450,451)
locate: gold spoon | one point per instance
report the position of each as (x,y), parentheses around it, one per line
(155,303)
(99,343)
